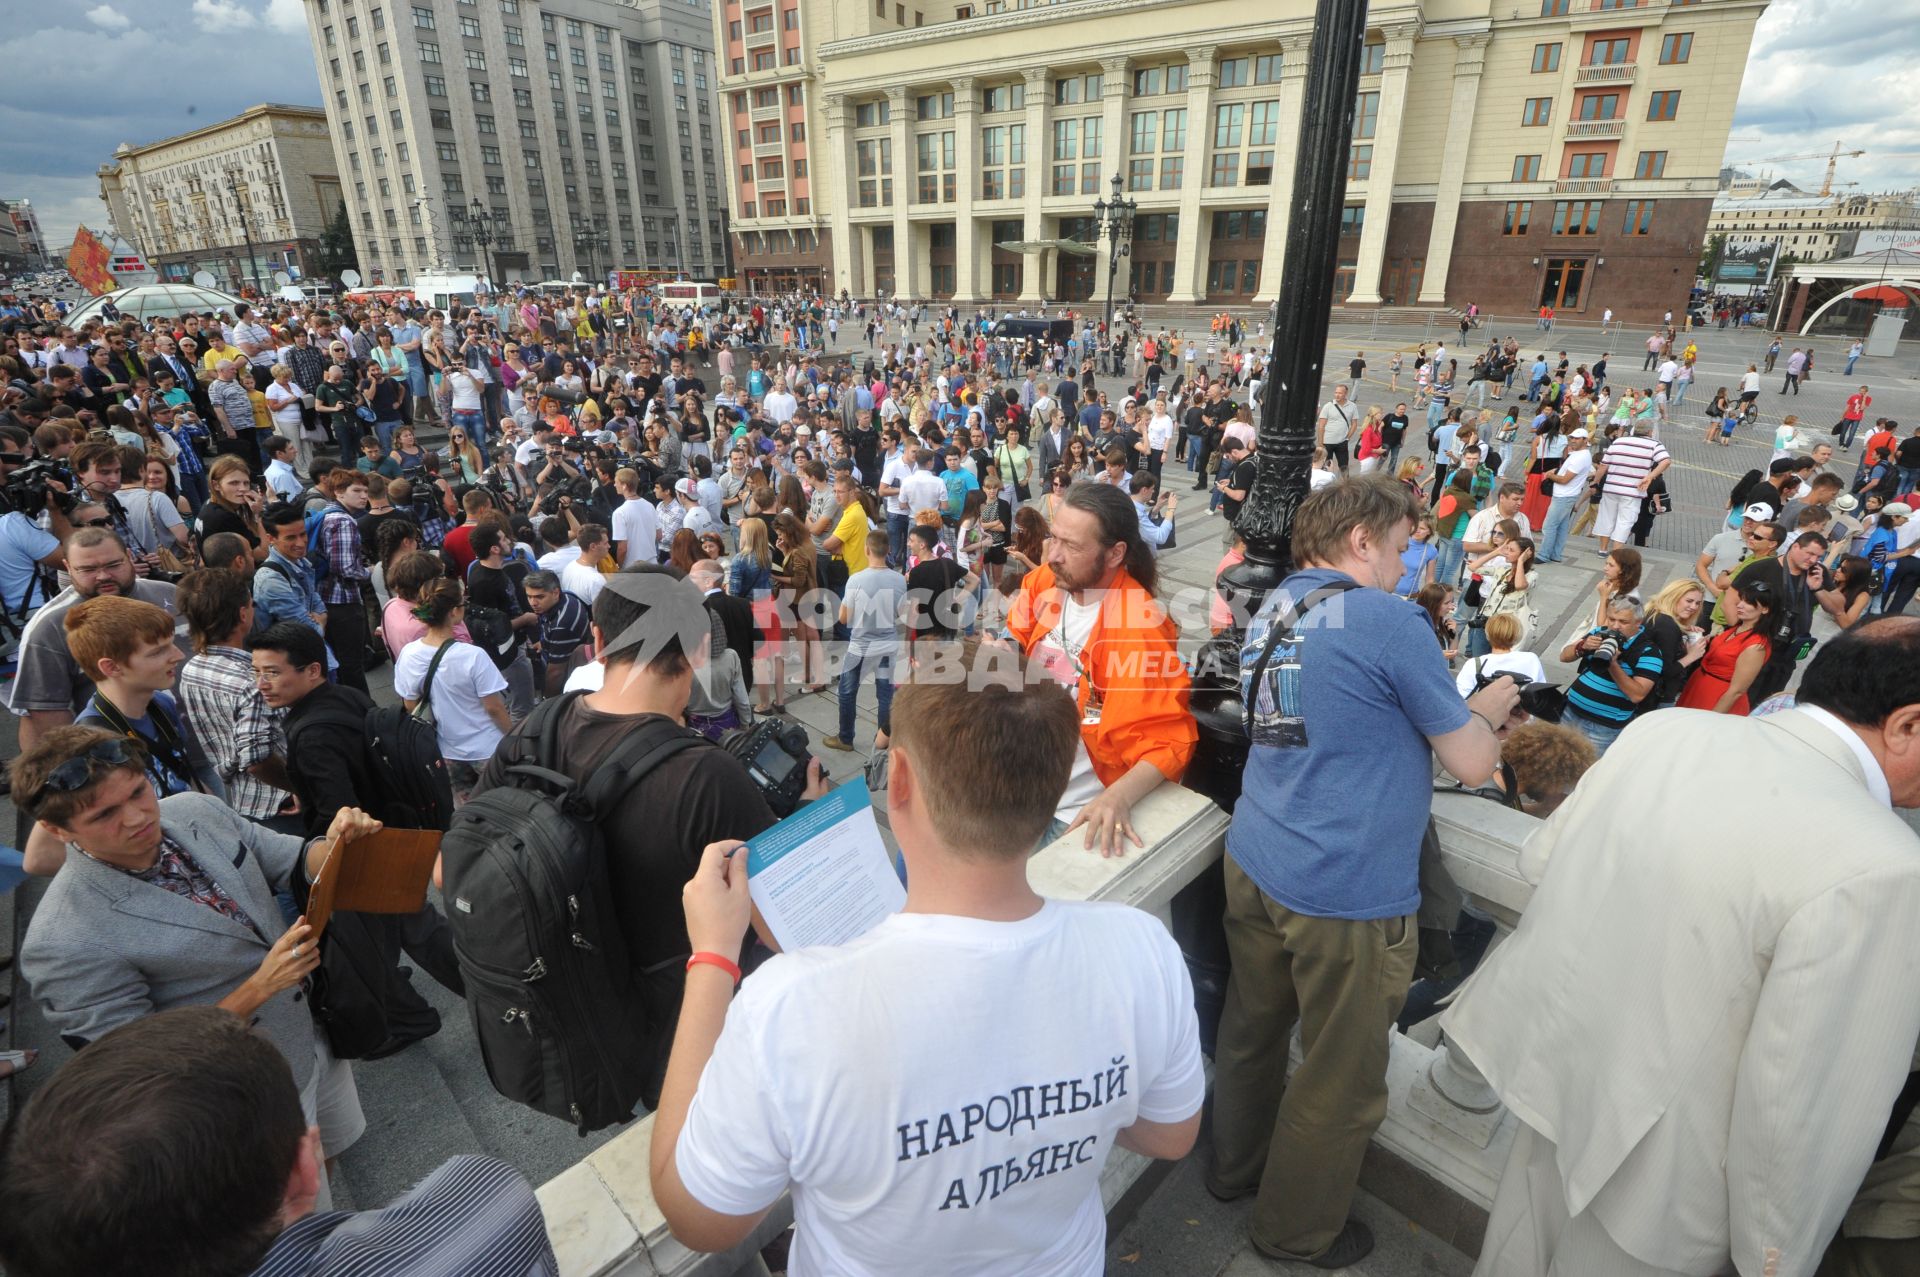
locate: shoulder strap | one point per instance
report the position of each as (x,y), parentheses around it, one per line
(1286,623)
(281,568)
(426,688)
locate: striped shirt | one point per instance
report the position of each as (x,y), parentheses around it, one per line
(1628,461)
(1596,696)
(473,1217)
(563,628)
(234,726)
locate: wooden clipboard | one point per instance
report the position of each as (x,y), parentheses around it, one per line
(384,872)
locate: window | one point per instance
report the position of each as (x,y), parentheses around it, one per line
(1664,105)
(1233,72)
(516,36)
(1373,57)
(577,56)
(799,132)
(1554,8)
(1600,106)
(1172,169)
(1263,123)
(1353,219)
(476,60)
(1360,163)
(489,155)
(448,152)
(1173,130)
(423,18)
(1266,68)
(1226,169)
(868,114)
(1227,119)
(1587,164)
(485,124)
(390,86)
(934,106)
(1608,52)
(1537,111)
(1366,114)
(1546,57)
(429,52)
(437,88)
(1148,81)
(1140,175)
(1651,164)
(517,67)
(1639,220)
(482,92)
(439,117)
(470,27)
(1576,217)
(1002,97)
(1146,131)
(1676,46)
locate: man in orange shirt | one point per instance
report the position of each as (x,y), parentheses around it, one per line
(1089,615)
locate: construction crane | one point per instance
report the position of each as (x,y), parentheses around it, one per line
(1832,159)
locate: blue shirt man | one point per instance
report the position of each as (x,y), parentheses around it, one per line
(403,333)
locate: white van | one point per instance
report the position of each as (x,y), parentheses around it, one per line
(443,291)
(688,293)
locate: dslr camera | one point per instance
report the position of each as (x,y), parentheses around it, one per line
(27,489)
(1609,649)
(774,752)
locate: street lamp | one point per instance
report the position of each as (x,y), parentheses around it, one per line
(479,224)
(246,232)
(588,239)
(1116,225)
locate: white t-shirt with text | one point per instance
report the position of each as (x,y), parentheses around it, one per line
(972,1142)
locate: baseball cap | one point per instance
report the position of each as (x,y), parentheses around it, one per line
(1758,512)
(1581,433)
(1898,509)
(684,487)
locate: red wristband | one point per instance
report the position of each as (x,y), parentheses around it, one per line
(713,959)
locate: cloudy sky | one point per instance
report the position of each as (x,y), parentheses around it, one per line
(83,77)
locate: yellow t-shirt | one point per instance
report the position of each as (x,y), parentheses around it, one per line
(262,415)
(852,531)
(212,359)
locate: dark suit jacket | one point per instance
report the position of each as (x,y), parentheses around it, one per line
(736,618)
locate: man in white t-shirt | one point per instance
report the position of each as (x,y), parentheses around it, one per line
(635,522)
(581,578)
(1005,1043)
(894,474)
(779,404)
(1338,418)
(1569,485)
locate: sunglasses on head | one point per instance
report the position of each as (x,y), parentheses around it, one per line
(78,772)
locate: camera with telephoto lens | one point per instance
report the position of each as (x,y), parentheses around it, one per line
(1609,649)
(27,490)
(774,752)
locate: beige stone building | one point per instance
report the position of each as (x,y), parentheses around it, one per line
(1512,153)
(1811,227)
(183,201)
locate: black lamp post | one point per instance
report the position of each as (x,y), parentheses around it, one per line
(246,231)
(1116,224)
(479,219)
(587,240)
(1290,391)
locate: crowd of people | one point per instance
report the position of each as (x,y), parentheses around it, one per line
(217,525)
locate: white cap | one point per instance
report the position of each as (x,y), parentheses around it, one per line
(684,487)
(1846,503)
(1899,509)
(1758,513)
(1580,433)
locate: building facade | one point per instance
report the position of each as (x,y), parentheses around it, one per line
(582,130)
(191,202)
(1563,153)
(1810,227)
(20,219)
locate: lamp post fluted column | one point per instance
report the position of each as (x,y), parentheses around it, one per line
(1290,388)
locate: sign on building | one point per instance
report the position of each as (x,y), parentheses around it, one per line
(1746,262)
(1880,241)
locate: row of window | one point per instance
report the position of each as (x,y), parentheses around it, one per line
(1648,165)
(1578,217)
(1675,47)
(1663,104)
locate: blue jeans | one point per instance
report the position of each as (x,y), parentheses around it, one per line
(1909,479)
(1680,392)
(1471,936)
(897,527)
(852,670)
(1450,555)
(1851,361)
(1553,533)
(385,429)
(1601,734)
(1848,431)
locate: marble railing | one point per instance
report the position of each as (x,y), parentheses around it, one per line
(1441,1120)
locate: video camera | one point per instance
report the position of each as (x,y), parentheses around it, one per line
(27,490)
(775,754)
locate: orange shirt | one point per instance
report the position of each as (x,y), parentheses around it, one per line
(1132,670)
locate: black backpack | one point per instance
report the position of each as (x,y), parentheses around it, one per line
(548,981)
(413,790)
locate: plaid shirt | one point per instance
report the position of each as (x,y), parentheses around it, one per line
(340,537)
(234,726)
(309,364)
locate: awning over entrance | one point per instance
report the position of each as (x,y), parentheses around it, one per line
(1071,247)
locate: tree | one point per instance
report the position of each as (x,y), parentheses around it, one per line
(1710,257)
(336,246)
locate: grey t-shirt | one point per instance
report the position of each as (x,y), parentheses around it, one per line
(874,599)
(48,677)
(1727,549)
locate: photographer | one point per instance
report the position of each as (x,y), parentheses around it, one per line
(27,552)
(692,799)
(1620,665)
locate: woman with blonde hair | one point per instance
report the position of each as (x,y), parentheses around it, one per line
(1672,621)
(462,453)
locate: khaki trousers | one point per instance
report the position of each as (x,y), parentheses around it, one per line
(1302,1141)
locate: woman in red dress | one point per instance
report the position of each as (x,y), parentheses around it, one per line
(1729,661)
